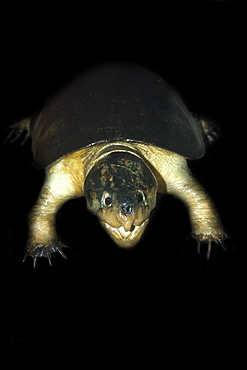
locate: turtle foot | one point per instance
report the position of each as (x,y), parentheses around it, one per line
(42,250)
(19,130)
(209,239)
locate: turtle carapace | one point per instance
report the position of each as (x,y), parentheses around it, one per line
(117,135)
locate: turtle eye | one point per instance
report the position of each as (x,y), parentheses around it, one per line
(107,200)
(140,197)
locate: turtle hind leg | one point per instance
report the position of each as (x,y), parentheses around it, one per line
(19,130)
(211,130)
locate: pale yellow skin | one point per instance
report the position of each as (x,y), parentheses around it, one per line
(65,179)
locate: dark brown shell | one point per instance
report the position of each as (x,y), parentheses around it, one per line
(115,103)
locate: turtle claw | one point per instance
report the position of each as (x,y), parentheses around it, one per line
(222,244)
(209,248)
(209,242)
(18,130)
(41,250)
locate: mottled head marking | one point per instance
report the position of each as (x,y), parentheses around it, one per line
(121,190)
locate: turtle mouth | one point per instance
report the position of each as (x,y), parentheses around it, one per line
(123,238)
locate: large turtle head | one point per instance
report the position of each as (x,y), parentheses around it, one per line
(121,190)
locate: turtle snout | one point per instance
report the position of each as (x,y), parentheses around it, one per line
(126,214)
(127,209)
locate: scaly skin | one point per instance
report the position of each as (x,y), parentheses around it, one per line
(65,179)
(172,168)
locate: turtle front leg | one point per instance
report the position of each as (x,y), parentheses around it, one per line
(43,240)
(205,222)
(60,185)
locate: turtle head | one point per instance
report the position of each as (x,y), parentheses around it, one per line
(121,190)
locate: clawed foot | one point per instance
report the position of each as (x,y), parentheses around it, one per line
(19,130)
(41,250)
(209,239)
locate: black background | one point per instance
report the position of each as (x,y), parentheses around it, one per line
(160,300)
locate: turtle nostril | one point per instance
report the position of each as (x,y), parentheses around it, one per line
(126,209)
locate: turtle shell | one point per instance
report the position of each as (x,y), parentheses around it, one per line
(116,102)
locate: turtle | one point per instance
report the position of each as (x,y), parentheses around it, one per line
(117,134)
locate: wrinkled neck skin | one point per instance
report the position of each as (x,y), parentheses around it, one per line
(121,190)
